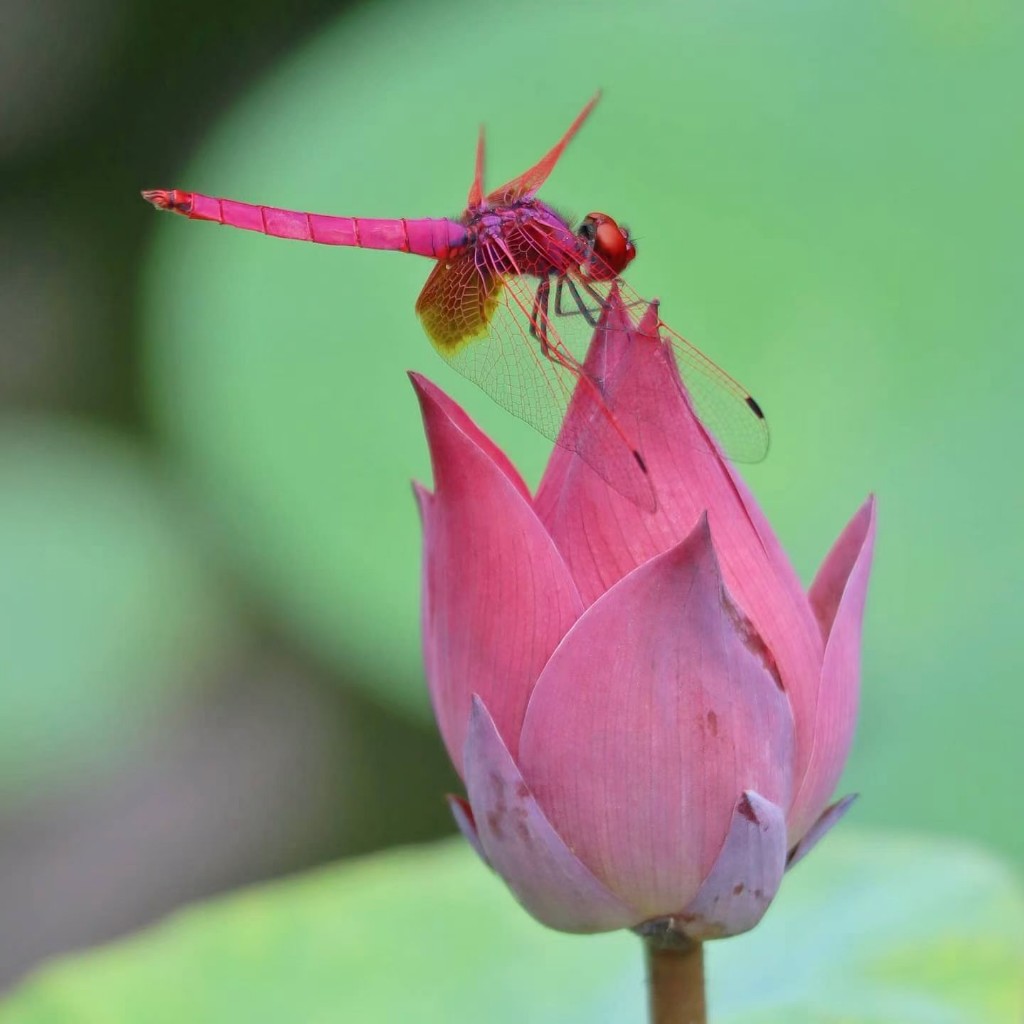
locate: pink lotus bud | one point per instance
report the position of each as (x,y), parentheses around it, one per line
(648,711)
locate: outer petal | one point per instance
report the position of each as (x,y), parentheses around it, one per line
(746,875)
(520,844)
(463,815)
(837,595)
(825,823)
(497,596)
(655,711)
(603,535)
(461,420)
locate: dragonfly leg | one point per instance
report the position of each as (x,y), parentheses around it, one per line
(582,309)
(539,316)
(600,299)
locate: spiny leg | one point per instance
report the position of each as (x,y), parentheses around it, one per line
(596,295)
(582,309)
(539,316)
(600,299)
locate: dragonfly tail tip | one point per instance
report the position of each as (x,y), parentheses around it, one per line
(168,199)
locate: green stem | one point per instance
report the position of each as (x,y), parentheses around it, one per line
(675,979)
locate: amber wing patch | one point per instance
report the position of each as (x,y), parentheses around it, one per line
(457,303)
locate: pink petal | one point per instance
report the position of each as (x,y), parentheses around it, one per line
(827,820)
(591,442)
(519,842)
(461,419)
(603,535)
(497,596)
(463,815)
(746,875)
(837,596)
(830,584)
(653,713)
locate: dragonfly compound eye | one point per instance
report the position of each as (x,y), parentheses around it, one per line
(611,248)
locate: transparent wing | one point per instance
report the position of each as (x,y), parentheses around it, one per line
(501,333)
(728,411)
(725,407)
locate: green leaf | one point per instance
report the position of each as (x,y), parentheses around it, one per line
(869,930)
(106,611)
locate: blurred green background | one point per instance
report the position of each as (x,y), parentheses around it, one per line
(209,667)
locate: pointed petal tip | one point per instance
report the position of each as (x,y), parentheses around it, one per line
(423,497)
(853,547)
(824,824)
(445,421)
(745,876)
(423,386)
(837,598)
(477,709)
(702,528)
(463,815)
(698,547)
(650,321)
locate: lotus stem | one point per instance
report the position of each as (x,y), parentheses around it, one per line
(675,979)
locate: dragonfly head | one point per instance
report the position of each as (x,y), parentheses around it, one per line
(608,248)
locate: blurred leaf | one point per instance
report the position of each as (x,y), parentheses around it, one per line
(870,930)
(826,199)
(105,610)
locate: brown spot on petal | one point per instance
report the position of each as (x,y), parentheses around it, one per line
(746,809)
(496,817)
(712,723)
(753,641)
(737,888)
(521,817)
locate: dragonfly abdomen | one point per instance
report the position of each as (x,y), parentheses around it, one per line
(426,236)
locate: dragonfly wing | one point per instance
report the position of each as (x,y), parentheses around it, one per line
(479,322)
(488,328)
(457,303)
(725,407)
(529,181)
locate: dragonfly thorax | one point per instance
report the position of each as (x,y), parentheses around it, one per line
(526,238)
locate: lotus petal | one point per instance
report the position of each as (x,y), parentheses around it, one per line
(837,595)
(657,709)
(497,596)
(603,535)
(825,823)
(746,875)
(518,840)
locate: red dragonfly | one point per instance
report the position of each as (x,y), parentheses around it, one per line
(513,302)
